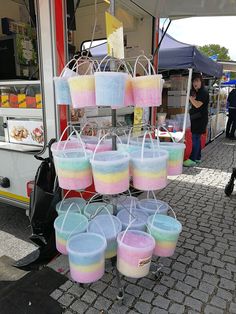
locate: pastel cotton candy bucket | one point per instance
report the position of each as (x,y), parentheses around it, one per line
(97,208)
(151,206)
(165,230)
(111,172)
(150,172)
(73,169)
(65,225)
(86,257)
(176,157)
(110,88)
(78,205)
(139,222)
(125,202)
(134,253)
(109,226)
(62,91)
(82,90)
(147,90)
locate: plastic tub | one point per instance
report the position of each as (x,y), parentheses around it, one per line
(73,169)
(62,91)
(126,217)
(165,231)
(151,206)
(110,88)
(147,90)
(134,253)
(108,226)
(82,89)
(67,224)
(111,172)
(97,208)
(125,201)
(86,257)
(78,205)
(149,170)
(176,157)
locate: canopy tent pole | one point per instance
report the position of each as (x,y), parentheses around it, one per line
(217,110)
(155,64)
(187,101)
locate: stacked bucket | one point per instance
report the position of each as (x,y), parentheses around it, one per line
(89,233)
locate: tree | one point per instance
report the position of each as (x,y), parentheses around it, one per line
(215,49)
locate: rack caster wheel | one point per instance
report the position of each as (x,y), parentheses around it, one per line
(120,295)
(229,188)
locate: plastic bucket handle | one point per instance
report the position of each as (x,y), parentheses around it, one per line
(150,66)
(163,127)
(66,215)
(62,201)
(143,142)
(110,215)
(66,66)
(101,139)
(129,225)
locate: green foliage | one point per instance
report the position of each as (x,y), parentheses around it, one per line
(215,49)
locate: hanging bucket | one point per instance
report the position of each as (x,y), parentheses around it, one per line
(111,172)
(97,208)
(147,89)
(165,231)
(110,89)
(82,90)
(149,168)
(61,86)
(86,257)
(150,206)
(126,216)
(67,224)
(73,169)
(109,226)
(176,157)
(125,202)
(134,254)
(78,204)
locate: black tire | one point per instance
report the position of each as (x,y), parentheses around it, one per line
(229,189)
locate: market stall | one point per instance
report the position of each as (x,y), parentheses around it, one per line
(178,60)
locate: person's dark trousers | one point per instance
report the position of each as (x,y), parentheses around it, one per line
(196,147)
(231,124)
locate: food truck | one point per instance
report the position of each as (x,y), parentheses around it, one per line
(37,38)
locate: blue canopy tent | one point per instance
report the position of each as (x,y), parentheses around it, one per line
(229,83)
(174,54)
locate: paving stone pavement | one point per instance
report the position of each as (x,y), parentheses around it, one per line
(201,276)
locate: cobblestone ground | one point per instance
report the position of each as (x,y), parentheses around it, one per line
(14,232)
(201,276)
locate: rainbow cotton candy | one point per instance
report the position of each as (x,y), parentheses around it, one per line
(82,90)
(150,172)
(111,172)
(165,230)
(86,257)
(147,90)
(175,159)
(73,169)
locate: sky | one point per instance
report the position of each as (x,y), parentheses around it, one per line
(205,30)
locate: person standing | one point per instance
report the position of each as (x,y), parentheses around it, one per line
(231,123)
(199,100)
